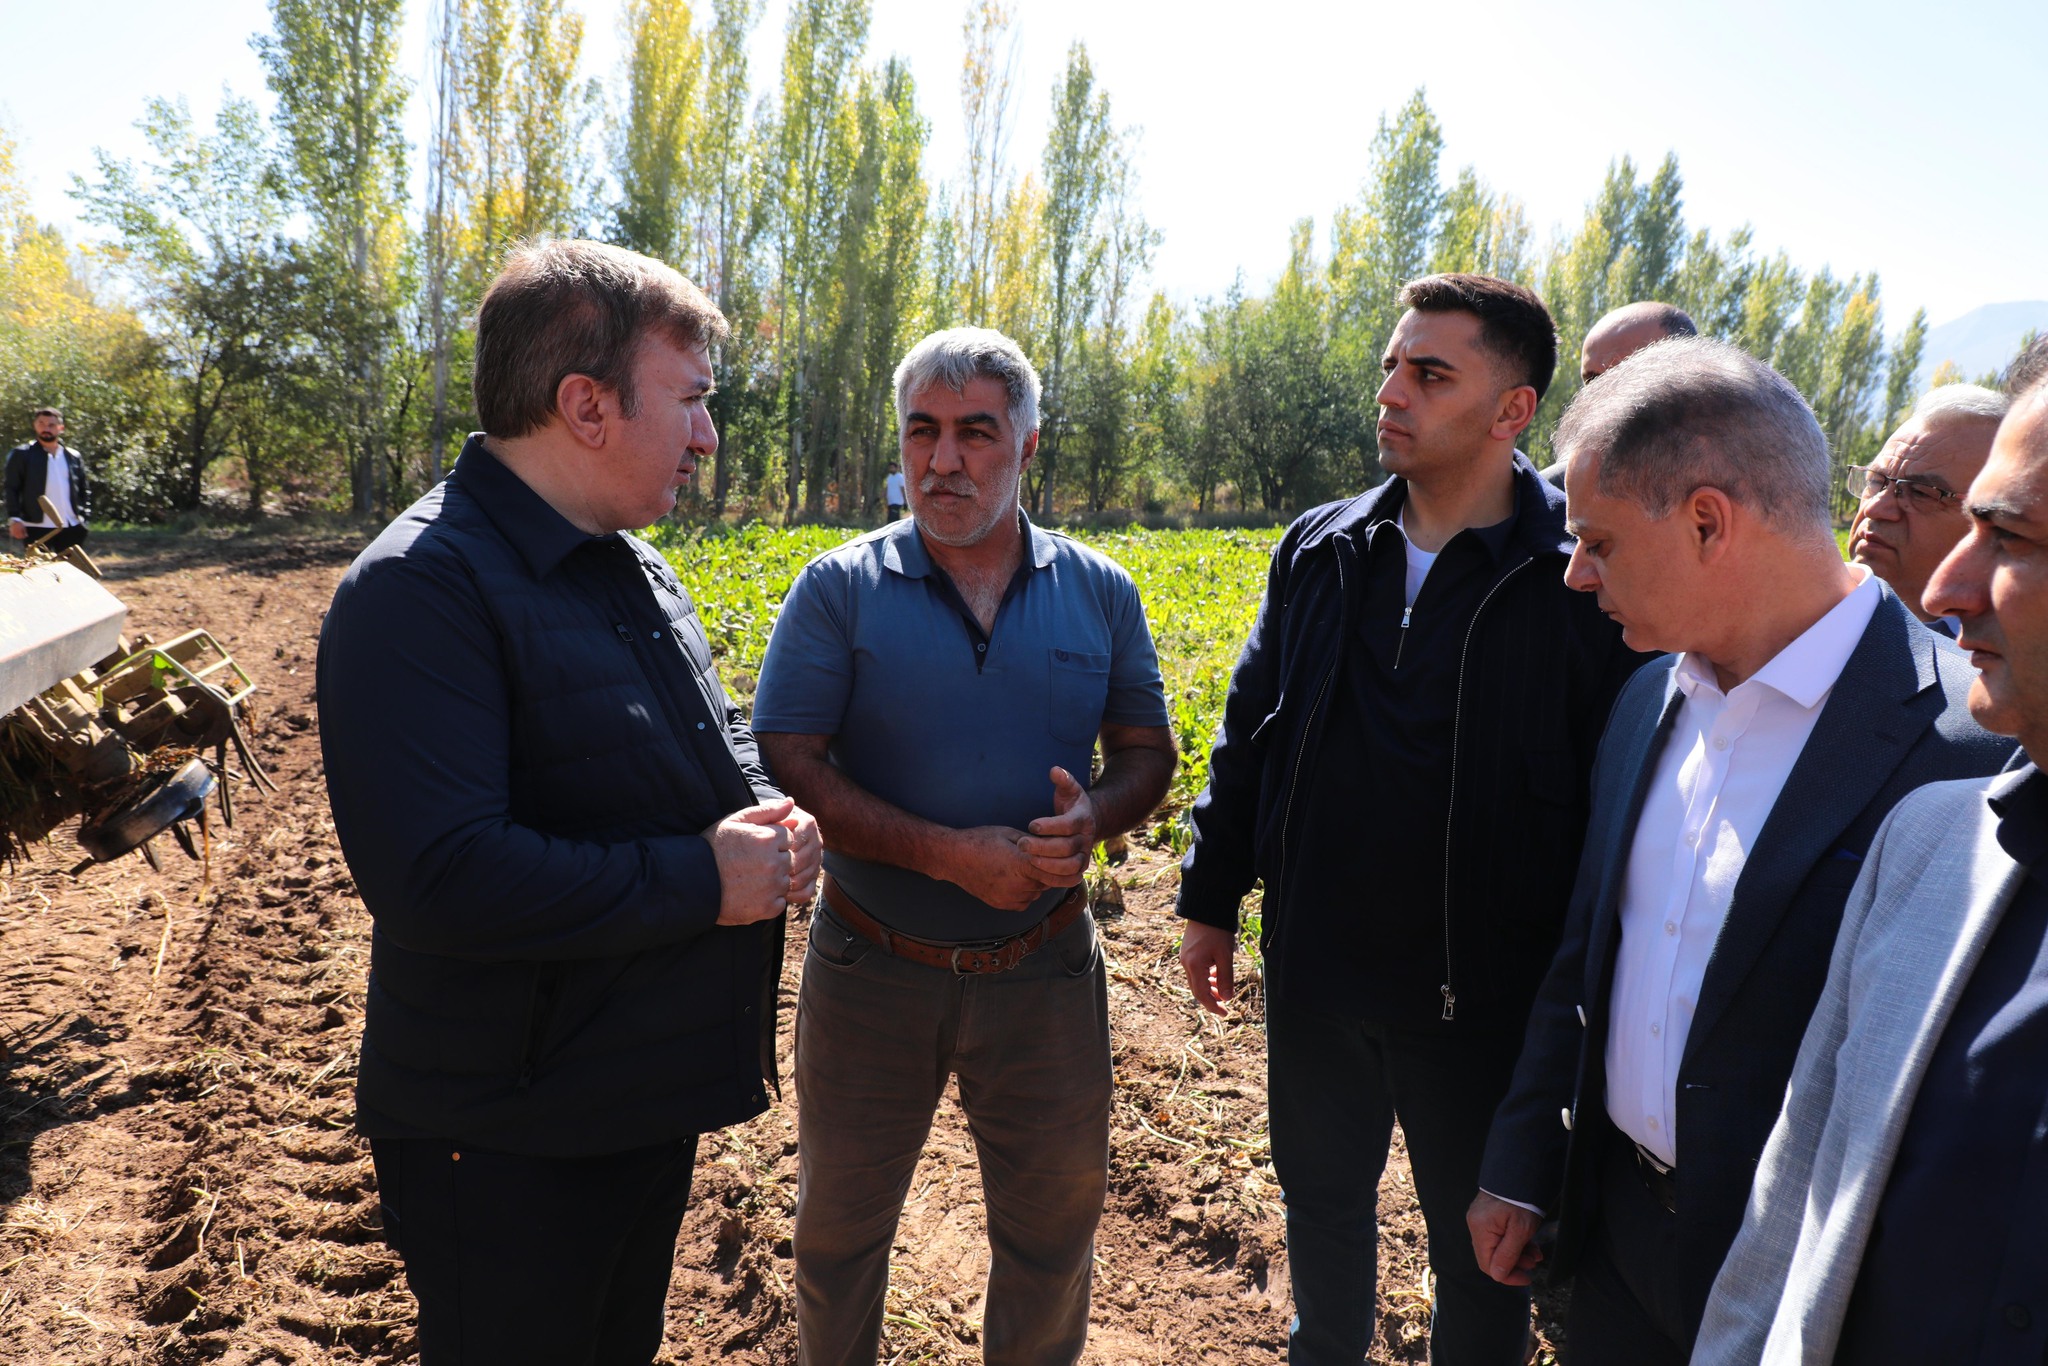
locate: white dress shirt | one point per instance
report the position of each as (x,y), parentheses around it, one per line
(57,488)
(1717,778)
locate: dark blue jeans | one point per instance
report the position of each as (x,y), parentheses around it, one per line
(1335,1087)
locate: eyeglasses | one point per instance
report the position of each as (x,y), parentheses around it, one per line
(1867,483)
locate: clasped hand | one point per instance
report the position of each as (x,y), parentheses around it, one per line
(1010,869)
(768,858)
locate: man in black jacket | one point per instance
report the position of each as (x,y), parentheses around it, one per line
(1403,760)
(576,864)
(46,466)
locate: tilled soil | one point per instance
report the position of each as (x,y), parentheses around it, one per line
(179,1176)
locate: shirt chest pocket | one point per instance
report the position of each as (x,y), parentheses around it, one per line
(1078,691)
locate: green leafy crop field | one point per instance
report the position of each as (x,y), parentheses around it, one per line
(1201,589)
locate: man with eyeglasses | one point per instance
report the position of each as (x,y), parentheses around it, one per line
(1911,512)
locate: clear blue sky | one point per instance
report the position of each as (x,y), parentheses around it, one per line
(1864,136)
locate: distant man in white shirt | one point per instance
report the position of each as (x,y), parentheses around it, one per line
(1910,512)
(45,468)
(893,491)
(1738,783)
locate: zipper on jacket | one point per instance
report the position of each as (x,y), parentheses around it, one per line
(1450,808)
(1401,641)
(1294,778)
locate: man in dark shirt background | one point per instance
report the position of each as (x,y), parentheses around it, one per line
(1404,760)
(46,466)
(576,865)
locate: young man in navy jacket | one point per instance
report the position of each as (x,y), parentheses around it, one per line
(1403,762)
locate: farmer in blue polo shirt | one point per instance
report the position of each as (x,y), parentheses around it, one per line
(934,693)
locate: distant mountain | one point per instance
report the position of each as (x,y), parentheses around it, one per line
(1982,340)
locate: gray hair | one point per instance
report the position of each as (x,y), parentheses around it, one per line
(1687,413)
(958,356)
(1950,402)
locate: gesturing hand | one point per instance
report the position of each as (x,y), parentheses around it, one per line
(1060,845)
(755,871)
(1504,1238)
(987,862)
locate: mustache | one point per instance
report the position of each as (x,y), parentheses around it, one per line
(958,484)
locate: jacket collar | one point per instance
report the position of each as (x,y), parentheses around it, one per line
(2019,797)
(903,548)
(1536,526)
(542,536)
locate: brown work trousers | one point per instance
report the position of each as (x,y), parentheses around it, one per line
(876,1038)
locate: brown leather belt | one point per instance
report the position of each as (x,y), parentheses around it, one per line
(994,955)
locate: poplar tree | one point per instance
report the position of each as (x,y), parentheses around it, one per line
(64,341)
(1902,363)
(987,75)
(440,237)
(1378,245)
(651,151)
(333,67)
(1293,430)
(1078,148)
(551,114)
(488,36)
(898,299)
(201,230)
(1163,383)
(726,184)
(1105,392)
(1481,232)
(814,147)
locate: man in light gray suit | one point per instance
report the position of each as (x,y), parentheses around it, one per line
(1897,1210)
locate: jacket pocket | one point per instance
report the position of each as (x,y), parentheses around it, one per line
(839,946)
(1266,730)
(1077,947)
(1077,692)
(547,984)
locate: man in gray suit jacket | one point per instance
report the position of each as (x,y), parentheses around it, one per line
(1898,1207)
(1737,786)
